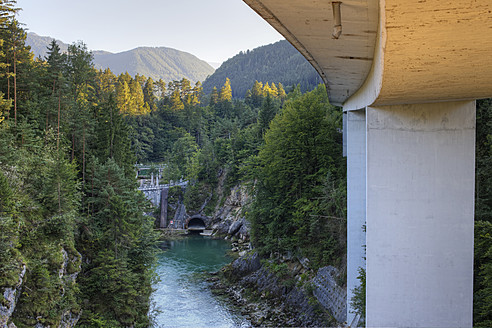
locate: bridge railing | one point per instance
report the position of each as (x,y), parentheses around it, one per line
(150,186)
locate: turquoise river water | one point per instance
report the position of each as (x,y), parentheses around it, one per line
(182,297)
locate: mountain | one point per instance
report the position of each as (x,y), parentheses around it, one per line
(277,62)
(39,44)
(156,62)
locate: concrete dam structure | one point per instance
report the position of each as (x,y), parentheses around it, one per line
(407,74)
(158,195)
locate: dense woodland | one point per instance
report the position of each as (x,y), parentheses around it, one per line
(70,135)
(277,63)
(68,203)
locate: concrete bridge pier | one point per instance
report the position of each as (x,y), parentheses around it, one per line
(412,169)
(356,202)
(420,177)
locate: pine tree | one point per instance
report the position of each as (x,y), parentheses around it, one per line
(176,102)
(257,94)
(266,114)
(121,247)
(106,83)
(136,98)
(56,63)
(214,97)
(149,94)
(281,92)
(226,91)
(123,96)
(18,56)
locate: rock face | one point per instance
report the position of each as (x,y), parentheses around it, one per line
(228,220)
(179,216)
(289,304)
(67,274)
(11,295)
(69,319)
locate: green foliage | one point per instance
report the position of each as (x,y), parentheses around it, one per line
(482,296)
(300,171)
(358,301)
(266,114)
(278,62)
(483,192)
(482,300)
(10,259)
(185,154)
(196,195)
(281,270)
(37,227)
(120,243)
(67,185)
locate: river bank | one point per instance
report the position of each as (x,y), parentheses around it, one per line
(270,295)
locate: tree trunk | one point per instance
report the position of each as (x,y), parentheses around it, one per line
(58,124)
(59,198)
(73,145)
(15,88)
(83,156)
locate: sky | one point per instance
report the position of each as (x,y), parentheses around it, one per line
(212,30)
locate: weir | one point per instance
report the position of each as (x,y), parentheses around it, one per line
(407,73)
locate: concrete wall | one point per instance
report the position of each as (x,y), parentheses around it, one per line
(420,209)
(329,294)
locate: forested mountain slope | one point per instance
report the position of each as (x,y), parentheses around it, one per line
(156,62)
(277,62)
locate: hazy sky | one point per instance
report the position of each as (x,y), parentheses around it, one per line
(213,30)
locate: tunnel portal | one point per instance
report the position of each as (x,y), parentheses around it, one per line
(196,224)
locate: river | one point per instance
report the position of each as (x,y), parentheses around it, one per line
(182,297)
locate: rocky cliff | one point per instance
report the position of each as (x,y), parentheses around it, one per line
(229,221)
(10,298)
(282,295)
(65,275)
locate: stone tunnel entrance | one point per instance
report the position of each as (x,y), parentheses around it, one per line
(196,224)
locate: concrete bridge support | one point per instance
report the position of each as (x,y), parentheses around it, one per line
(420,211)
(356,202)
(412,168)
